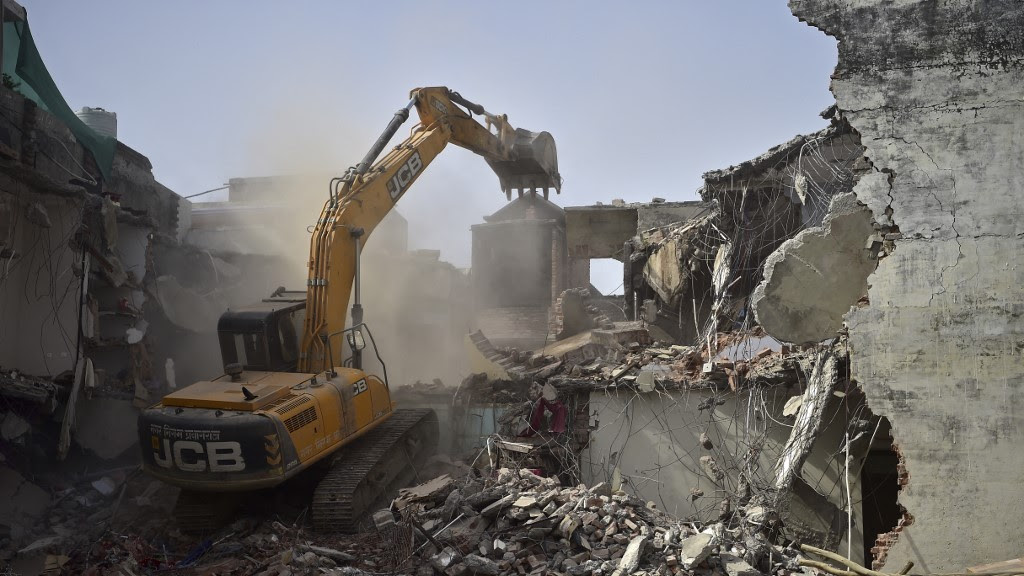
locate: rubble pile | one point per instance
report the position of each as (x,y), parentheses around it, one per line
(736,358)
(514,522)
(521,523)
(68,522)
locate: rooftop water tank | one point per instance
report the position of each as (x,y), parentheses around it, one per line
(103,122)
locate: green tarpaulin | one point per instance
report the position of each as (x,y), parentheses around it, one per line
(26,69)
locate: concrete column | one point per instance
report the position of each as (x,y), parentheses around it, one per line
(627,281)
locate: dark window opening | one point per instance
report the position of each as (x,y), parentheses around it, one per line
(880,488)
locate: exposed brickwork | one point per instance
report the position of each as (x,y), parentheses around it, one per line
(579,300)
(884,542)
(524,327)
(578,273)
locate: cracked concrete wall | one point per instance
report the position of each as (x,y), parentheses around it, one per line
(936,90)
(831,262)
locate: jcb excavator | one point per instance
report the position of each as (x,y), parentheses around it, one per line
(289,398)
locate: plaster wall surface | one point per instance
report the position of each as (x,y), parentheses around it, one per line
(654,441)
(936,91)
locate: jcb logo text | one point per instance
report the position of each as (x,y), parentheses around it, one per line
(192,456)
(400,181)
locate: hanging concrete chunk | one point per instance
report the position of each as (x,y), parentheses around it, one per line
(813,279)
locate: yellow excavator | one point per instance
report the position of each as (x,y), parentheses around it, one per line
(294,394)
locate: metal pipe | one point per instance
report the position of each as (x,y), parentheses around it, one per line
(400,117)
(357,307)
(472,107)
(627,281)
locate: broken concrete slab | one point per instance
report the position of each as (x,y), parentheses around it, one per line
(445,558)
(106,486)
(630,560)
(106,426)
(428,490)
(383,520)
(36,390)
(736,566)
(650,374)
(42,545)
(13,428)
(623,333)
(20,500)
(829,263)
(494,508)
(696,549)
(469,529)
(480,565)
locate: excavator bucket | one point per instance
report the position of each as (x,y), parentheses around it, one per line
(534,165)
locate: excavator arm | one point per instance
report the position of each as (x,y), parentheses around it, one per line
(524,161)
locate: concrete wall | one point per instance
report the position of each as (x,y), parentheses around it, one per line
(512,263)
(660,214)
(936,91)
(654,441)
(599,231)
(523,327)
(39,292)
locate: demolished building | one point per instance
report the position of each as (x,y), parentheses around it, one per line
(824,350)
(81,217)
(934,90)
(694,406)
(915,259)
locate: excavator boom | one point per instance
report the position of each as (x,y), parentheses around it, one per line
(524,161)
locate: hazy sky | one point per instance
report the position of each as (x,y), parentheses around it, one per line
(641,97)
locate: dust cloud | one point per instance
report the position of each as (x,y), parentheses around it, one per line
(418,306)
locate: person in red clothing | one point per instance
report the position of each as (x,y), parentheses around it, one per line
(545,400)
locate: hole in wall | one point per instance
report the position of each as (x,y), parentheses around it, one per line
(882,478)
(606,275)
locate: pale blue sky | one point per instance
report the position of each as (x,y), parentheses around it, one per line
(641,97)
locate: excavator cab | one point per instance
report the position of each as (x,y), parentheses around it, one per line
(265,335)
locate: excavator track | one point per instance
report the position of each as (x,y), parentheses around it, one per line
(372,468)
(204,512)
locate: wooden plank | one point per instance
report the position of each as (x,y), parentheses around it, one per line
(1015,565)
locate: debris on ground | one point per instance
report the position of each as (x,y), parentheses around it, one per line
(509,522)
